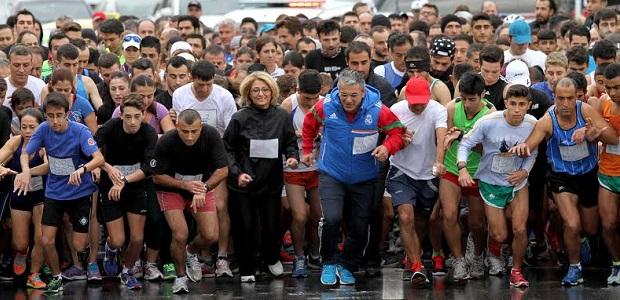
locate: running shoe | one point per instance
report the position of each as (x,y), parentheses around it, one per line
(180,285)
(92,272)
(328,274)
(517,279)
(299,268)
(496,265)
(110,261)
(314,263)
(614,278)
(19,263)
(418,275)
(439,268)
(344,276)
(55,285)
(476,266)
(170,272)
(137,270)
(35,282)
(130,281)
(151,272)
(286,258)
(193,267)
(208,271)
(222,267)
(73,273)
(460,269)
(276,269)
(573,277)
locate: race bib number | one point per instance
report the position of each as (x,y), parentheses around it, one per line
(574,153)
(128,170)
(365,144)
(264,148)
(613,149)
(36,183)
(208,116)
(503,163)
(61,166)
(178,176)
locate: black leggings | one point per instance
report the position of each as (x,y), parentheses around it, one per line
(246,210)
(157,234)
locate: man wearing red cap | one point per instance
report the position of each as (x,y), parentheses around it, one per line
(412,180)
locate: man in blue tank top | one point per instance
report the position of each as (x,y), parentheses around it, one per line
(72,154)
(572,130)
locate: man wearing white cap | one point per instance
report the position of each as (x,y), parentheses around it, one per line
(412,180)
(517,72)
(131,50)
(520,39)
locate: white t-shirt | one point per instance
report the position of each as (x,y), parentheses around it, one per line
(417,159)
(216,110)
(35,85)
(530,57)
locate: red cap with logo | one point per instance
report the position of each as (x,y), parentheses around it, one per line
(417,91)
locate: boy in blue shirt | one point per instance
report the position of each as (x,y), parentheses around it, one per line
(71,153)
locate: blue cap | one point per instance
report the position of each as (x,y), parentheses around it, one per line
(266,28)
(520,32)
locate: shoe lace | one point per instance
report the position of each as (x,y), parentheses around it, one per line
(299,264)
(193,261)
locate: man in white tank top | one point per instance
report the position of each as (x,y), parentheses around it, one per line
(302,183)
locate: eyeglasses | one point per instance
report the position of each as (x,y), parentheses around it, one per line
(265,91)
(129,38)
(427,13)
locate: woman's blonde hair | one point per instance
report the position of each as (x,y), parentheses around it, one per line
(247,83)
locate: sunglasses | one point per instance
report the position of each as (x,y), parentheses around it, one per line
(129,38)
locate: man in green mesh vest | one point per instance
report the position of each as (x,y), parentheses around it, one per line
(463,113)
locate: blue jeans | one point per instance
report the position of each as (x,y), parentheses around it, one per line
(359,200)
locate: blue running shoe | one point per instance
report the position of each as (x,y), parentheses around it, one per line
(586,252)
(328,275)
(345,276)
(130,281)
(573,277)
(110,261)
(299,267)
(92,272)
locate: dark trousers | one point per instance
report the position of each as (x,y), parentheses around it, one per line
(333,194)
(245,210)
(372,255)
(157,234)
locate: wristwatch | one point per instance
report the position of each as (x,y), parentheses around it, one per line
(461,165)
(124,179)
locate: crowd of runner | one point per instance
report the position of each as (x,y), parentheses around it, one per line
(182,152)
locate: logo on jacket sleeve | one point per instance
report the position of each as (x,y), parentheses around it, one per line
(368,119)
(333,116)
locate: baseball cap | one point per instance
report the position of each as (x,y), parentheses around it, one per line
(418,91)
(443,46)
(380,20)
(194,3)
(99,16)
(520,32)
(180,45)
(131,40)
(187,56)
(517,72)
(266,28)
